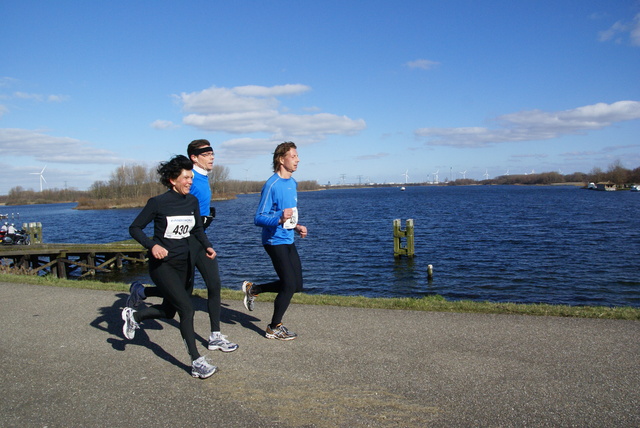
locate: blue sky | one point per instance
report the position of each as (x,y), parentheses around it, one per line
(367,90)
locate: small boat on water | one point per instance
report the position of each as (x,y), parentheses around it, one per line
(635,188)
(402,189)
(606,186)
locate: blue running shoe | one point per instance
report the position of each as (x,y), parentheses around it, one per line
(136,294)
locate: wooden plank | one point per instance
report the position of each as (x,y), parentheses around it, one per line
(85,265)
(60,256)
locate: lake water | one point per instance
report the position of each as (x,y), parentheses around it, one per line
(551,244)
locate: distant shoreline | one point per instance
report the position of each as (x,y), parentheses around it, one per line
(111,204)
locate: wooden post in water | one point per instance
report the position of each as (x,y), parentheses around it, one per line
(91,260)
(34,230)
(61,269)
(398,234)
(119,261)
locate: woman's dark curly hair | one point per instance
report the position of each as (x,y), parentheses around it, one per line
(173,168)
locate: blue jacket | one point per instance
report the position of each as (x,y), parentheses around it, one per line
(201,190)
(277,194)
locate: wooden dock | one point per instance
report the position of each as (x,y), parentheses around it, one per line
(60,260)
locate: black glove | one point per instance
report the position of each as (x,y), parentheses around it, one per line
(206,221)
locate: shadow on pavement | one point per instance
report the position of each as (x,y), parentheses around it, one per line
(110,322)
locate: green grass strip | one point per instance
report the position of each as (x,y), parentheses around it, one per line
(428,303)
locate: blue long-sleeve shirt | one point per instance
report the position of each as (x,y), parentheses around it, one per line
(277,194)
(201,190)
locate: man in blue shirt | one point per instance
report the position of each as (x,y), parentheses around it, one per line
(201,154)
(277,214)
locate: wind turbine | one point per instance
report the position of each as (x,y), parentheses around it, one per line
(41,176)
(435,176)
(486,174)
(406,176)
(464,174)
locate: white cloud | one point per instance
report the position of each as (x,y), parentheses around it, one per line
(27,96)
(618,30)
(234,122)
(40,97)
(603,151)
(311,109)
(531,155)
(634,33)
(222,100)
(422,64)
(7,81)
(318,124)
(47,148)
(534,125)
(250,146)
(163,124)
(376,156)
(273,91)
(57,98)
(256,109)
(239,99)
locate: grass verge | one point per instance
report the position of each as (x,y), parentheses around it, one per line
(429,303)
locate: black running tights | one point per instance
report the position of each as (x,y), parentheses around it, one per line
(286,262)
(210,273)
(171,278)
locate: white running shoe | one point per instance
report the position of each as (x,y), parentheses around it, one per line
(130,325)
(202,369)
(248,297)
(218,341)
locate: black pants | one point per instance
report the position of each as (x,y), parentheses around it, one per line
(286,262)
(211,275)
(172,280)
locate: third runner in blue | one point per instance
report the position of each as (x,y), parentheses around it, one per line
(277,214)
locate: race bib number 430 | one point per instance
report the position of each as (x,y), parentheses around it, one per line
(178,227)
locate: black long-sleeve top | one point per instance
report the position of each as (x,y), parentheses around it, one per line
(175,218)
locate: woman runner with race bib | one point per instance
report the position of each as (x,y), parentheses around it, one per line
(175,215)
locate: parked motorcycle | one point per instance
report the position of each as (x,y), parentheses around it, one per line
(19,237)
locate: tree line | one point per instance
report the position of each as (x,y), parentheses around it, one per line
(131,186)
(615,173)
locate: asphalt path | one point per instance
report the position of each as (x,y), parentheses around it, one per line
(65,363)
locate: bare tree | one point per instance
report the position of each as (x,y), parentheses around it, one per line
(617,173)
(218,178)
(596,175)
